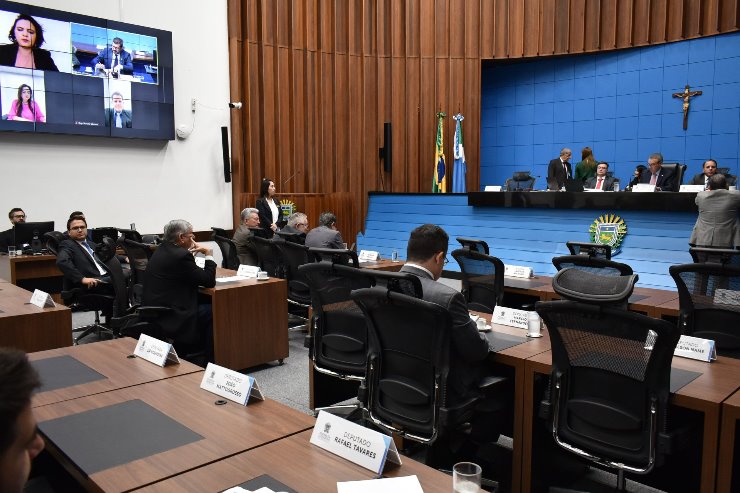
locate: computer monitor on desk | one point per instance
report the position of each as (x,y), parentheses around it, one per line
(32,234)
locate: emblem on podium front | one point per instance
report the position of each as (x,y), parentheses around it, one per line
(608,229)
(288,207)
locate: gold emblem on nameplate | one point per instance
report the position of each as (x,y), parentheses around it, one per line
(608,229)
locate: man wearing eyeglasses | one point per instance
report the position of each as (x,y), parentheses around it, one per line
(243,237)
(297,226)
(77,260)
(16,215)
(709,169)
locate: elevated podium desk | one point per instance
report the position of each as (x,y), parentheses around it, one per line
(623,201)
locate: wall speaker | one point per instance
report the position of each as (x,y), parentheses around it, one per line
(386,152)
(225,150)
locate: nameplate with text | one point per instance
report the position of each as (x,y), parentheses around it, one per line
(518,271)
(155,351)
(643,187)
(366,448)
(511,317)
(368,256)
(42,299)
(696,348)
(691,188)
(230,384)
(492,188)
(247,271)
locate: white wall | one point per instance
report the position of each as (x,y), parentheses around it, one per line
(117,181)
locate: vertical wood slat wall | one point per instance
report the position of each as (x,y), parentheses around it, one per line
(319,77)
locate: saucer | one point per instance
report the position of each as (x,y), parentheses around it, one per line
(262,278)
(487,329)
(534,337)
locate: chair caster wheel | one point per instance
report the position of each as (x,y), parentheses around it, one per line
(280,362)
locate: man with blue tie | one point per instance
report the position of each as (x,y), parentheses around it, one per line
(77,260)
(116,116)
(114,60)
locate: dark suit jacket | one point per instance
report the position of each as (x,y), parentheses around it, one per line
(266,214)
(245,246)
(323,237)
(607,185)
(699,179)
(74,261)
(717,224)
(555,172)
(666,179)
(7,238)
(469,347)
(297,236)
(106,57)
(110,119)
(41,58)
(172,280)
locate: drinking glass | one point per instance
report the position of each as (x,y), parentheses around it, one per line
(466,477)
(394,256)
(11,251)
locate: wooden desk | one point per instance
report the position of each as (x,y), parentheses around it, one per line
(227,430)
(33,272)
(28,327)
(385,264)
(669,309)
(111,359)
(727,445)
(704,394)
(539,287)
(250,321)
(298,464)
(643,300)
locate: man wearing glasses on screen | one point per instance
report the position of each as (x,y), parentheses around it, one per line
(113,61)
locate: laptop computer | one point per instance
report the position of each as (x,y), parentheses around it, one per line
(573,185)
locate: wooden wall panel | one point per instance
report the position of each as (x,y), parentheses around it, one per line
(319,77)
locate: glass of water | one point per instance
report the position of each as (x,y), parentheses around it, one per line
(394,255)
(466,477)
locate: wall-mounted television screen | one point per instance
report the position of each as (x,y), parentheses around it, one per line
(65,73)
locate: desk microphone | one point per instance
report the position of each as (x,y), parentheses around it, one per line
(290,177)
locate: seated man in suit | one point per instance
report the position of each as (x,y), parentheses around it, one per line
(663,179)
(243,235)
(7,237)
(20,441)
(77,261)
(116,116)
(115,59)
(326,235)
(708,170)
(601,181)
(559,170)
(297,226)
(172,280)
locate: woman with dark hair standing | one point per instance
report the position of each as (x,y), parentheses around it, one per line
(268,206)
(27,36)
(25,109)
(586,168)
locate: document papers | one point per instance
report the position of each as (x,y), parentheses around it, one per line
(406,484)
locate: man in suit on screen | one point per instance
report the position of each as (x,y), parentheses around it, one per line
(113,60)
(116,116)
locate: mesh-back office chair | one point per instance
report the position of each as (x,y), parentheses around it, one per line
(476,245)
(483,279)
(270,256)
(335,256)
(219,232)
(52,240)
(521,180)
(131,234)
(230,260)
(709,299)
(293,256)
(592,264)
(98,234)
(723,256)
(608,390)
(294,237)
(138,257)
(597,250)
(730,179)
(678,169)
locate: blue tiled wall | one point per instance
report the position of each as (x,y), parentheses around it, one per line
(617,103)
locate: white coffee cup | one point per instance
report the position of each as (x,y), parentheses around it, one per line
(481,323)
(534,325)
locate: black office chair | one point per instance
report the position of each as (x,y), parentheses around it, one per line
(723,256)
(230,260)
(336,256)
(730,179)
(678,169)
(138,257)
(408,369)
(597,250)
(98,234)
(52,240)
(130,234)
(293,256)
(294,237)
(219,232)
(709,300)
(473,244)
(521,180)
(592,264)
(270,256)
(483,279)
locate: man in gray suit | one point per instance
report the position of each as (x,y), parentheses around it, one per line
(717,224)
(601,181)
(426,252)
(326,235)
(243,237)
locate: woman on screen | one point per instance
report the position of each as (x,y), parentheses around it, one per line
(25,109)
(27,36)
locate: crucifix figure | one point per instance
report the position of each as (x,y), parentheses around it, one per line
(686,95)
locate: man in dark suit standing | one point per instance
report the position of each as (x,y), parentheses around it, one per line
(708,170)
(172,280)
(601,181)
(7,237)
(77,260)
(326,235)
(115,59)
(559,170)
(663,179)
(243,236)
(117,116)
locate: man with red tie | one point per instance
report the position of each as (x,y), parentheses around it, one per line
(601,181)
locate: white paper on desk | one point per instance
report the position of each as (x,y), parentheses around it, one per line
(229,279)
(405,484)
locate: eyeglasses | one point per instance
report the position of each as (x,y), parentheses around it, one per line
(447,261)
(77,228)
(19,216)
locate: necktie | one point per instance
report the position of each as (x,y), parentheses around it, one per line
(115,62)
(89,249)
(598,184)
(565,168)
(118,120)
(653,179)
(92,254)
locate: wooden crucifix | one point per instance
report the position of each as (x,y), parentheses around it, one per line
(686,95)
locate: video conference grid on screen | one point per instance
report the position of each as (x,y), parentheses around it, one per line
(73,74)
